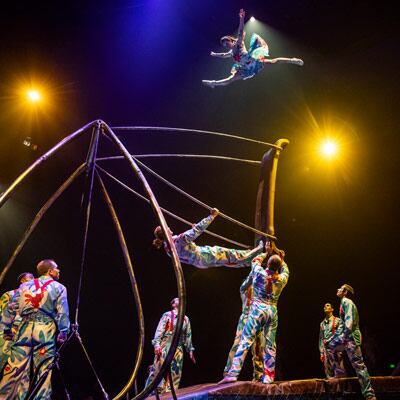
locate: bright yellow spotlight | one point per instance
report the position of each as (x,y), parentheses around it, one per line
(329,148)
(33,95)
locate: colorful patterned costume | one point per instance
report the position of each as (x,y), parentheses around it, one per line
(258,347)
(5,345)
(249,63)
(209,256)
(163,339)
(328,328)
(263,316)
(43,307)
(349,340)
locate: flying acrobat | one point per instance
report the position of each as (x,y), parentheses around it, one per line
(247,63)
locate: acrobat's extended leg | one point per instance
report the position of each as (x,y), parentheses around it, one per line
(283,60)
(222,82)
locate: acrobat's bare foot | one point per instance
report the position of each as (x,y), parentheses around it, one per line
(211,84)
(227,379)
(297,61)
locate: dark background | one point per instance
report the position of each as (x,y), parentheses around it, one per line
(141,63)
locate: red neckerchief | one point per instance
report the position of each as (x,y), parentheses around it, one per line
(38,297)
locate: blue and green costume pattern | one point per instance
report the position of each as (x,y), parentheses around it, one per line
(43,307)
(327,329)
(258,347)
(209,256)
(163,339)
(5,345)
(349,339)
(249,63)
(263,316)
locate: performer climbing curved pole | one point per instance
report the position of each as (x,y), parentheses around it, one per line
(205,256)
(247,63)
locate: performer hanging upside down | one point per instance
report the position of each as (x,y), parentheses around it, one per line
(205,256)
(247,63)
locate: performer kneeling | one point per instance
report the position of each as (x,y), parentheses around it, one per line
(205,256)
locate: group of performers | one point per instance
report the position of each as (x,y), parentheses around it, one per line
(34,320)
(257,325)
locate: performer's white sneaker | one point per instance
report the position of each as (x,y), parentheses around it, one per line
(227,379)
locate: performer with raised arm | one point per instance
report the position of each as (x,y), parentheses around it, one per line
(258,347)
(43,307)
(349,339)
(268,284)
(162,343)
(247,63)
(205,256)
(327,329)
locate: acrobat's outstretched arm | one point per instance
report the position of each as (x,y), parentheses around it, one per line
(222,82)
(283,60)
(241,32)
(228,54)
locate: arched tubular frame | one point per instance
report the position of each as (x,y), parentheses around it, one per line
(98,127)
(174,256)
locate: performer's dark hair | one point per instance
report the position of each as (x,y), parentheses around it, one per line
(349,289)
(22,276)
(274,262)
(159,238)
(44,266)
(227,38)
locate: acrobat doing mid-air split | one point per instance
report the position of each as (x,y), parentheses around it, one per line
(247,63)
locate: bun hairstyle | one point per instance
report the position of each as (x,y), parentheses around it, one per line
(227,38)
(159,238)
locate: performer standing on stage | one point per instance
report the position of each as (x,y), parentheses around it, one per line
(327,329)
(349,340)
(162,343)
(205,256)
(43,307)
(247,63)
(263,316)
(5,345)
(258,347)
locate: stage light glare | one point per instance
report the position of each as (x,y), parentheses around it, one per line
(252,19)
(33,95)
(329,148)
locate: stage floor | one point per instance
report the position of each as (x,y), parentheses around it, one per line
(386,387)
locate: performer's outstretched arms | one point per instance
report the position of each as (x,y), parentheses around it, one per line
(241,32)
(199,228)
(283,60)
(228,54)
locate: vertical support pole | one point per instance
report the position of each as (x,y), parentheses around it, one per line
(265,201)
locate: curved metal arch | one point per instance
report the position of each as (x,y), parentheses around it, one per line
(186,130)
(175,261)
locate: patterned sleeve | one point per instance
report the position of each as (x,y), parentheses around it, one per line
(62,317)
(161,328)
(197,230)
(188,337)
(284,274)
(10,311)
(349,312)
(321,339)
(246,284)
(4,299)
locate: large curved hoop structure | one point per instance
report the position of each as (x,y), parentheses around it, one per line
(97,128)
